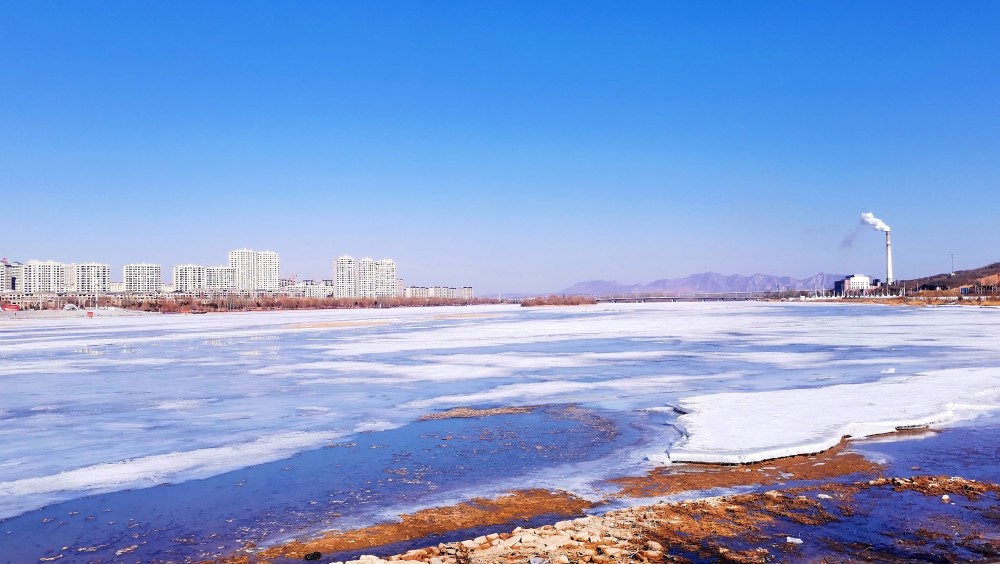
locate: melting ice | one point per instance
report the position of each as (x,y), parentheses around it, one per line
(113,403)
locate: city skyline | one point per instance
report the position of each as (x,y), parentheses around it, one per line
(515,147)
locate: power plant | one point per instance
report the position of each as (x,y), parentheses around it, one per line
(888,259)
(880,225)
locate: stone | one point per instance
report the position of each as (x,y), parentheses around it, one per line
(561,559)
(537,560)
(653,545)
(611,551)
(480,540)
(793,540)
(313,556)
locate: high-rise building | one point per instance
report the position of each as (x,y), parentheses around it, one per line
(268,270)
(142,278)
(44,277)
(88,277)
(255,270)
(465,292)
(366,279)
(219,278)
(11,276)
(345,275)
(385,279)
(189,278)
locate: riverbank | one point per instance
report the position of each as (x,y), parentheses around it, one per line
(838,505)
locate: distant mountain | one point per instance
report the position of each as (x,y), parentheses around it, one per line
(594,287)
(707,282)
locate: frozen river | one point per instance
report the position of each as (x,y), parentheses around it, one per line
(97,415)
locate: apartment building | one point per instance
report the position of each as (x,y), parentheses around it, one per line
(255,270)
(189,278)
(44,277)
(366,278)
(345,275)
(11,276)
(142,278)
(219,278)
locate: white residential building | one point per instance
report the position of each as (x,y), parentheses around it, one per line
(93,277)
(345,275)
(116,287)
(465,292)
(366,279)
(219,279)
(255,270)
(310,289)
(143,278)
(44,277)
(385,279)
(11,277)
(189,278)
(416,292)
(442,292)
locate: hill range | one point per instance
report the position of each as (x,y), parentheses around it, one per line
(706,282)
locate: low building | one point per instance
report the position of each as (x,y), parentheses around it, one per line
(853,284)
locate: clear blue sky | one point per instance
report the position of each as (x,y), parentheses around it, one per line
(515,146)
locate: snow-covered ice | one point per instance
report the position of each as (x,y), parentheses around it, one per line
(753,426)
(113,403)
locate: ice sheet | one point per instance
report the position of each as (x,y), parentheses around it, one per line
(753,426)
(157,395)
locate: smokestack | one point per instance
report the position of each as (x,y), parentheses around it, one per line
(888,259)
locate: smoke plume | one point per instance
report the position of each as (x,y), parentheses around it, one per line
(870,219)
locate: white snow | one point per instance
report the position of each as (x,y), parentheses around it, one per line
(108,403)
(755,426)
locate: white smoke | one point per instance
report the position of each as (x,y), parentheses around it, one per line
(870,219)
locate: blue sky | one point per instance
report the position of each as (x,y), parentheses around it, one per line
(513,146)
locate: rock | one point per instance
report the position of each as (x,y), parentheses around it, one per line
(368,558)
(611,551)
(471,544)
(793,540)
(481,540)
(653,555)
(561,559)
(493,536)
(563,525)
(946,498)
(312,556)
(824,496)
(537,560)
(653,545)
(435,560)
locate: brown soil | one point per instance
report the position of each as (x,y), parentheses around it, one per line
(667,480)
(520,505)
(468,412)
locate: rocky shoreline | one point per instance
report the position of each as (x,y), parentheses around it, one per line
(733,528)
(834,506)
